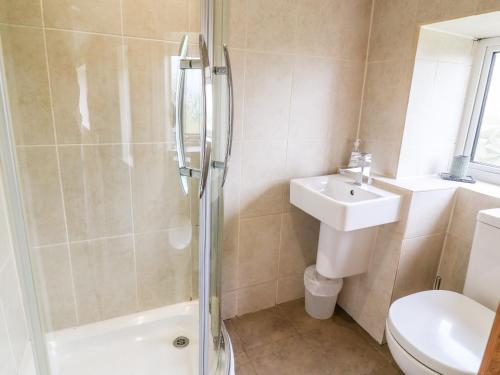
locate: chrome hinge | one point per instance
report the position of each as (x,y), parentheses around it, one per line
(190,172)
(220,70)
(218,164)
(190,64)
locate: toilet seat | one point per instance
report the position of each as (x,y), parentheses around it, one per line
(445,331)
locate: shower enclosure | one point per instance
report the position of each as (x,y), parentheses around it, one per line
(115,140)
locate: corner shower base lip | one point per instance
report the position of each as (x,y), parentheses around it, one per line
(136,344)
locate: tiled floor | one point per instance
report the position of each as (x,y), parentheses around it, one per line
(285,340)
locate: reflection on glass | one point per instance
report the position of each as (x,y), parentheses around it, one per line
(487,149)
(83,105)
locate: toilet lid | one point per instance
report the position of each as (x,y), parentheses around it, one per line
(444,330)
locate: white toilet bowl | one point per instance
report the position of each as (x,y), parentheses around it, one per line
(438,332)
(443,332)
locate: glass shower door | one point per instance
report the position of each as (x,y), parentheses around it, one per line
(118,186)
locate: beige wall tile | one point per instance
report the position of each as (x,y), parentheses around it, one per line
(238,63)
(28,85)
(229,307)
(299,243)
(232,189)
(86,78)
(231,222)
(385,157)
(290,288)
(42,194)
(394,31)
(386,99)
(104,277)
(271,24)
(346,98)
(152,89)
(194,16)
(488,5)
(257,297)
(440,10)
(440,79)
(160,19)
(435,206)
(55,286)
(21,12)
(418,264)
(164,267)
(158,202)
(268,80)
(307,158)
(230,268)
(10,300)
(96,186)
(367,297)
(468,204)
(263,177)
(443,47)
(336,28)
(85,15)
(315,84)
(236,23)
(454,262)
(259,250)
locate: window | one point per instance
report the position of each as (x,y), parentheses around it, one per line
(483,126)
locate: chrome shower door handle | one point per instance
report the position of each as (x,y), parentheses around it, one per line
(179,120)
(203,64)
(207,115)
(230,94)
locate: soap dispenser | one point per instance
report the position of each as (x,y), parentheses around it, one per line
(355,154)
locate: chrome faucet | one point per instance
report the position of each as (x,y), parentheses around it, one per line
(360,166)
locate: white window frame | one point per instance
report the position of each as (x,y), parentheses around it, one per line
(484,50)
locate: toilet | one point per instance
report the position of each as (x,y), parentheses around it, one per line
(443,332)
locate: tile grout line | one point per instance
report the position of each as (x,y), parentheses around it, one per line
(287,176)
(51,100)
(62,145)
(365,73)
(109,237)
(95,33)
(124,79)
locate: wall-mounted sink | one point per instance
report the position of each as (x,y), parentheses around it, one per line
(349,215)
(337,202)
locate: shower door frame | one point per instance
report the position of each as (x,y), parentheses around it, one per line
(19,231)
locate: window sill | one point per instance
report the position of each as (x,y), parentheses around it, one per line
(434,182)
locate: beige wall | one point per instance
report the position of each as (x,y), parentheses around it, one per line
(391,58)
(440,79)
(456,251)
(89,85)
(298,75)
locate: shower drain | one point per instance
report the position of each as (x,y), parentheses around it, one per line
(181,342)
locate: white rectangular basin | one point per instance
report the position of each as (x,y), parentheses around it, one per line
(336,201)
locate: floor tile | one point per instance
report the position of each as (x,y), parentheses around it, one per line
(286,340)
(262,327)
(291,356)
